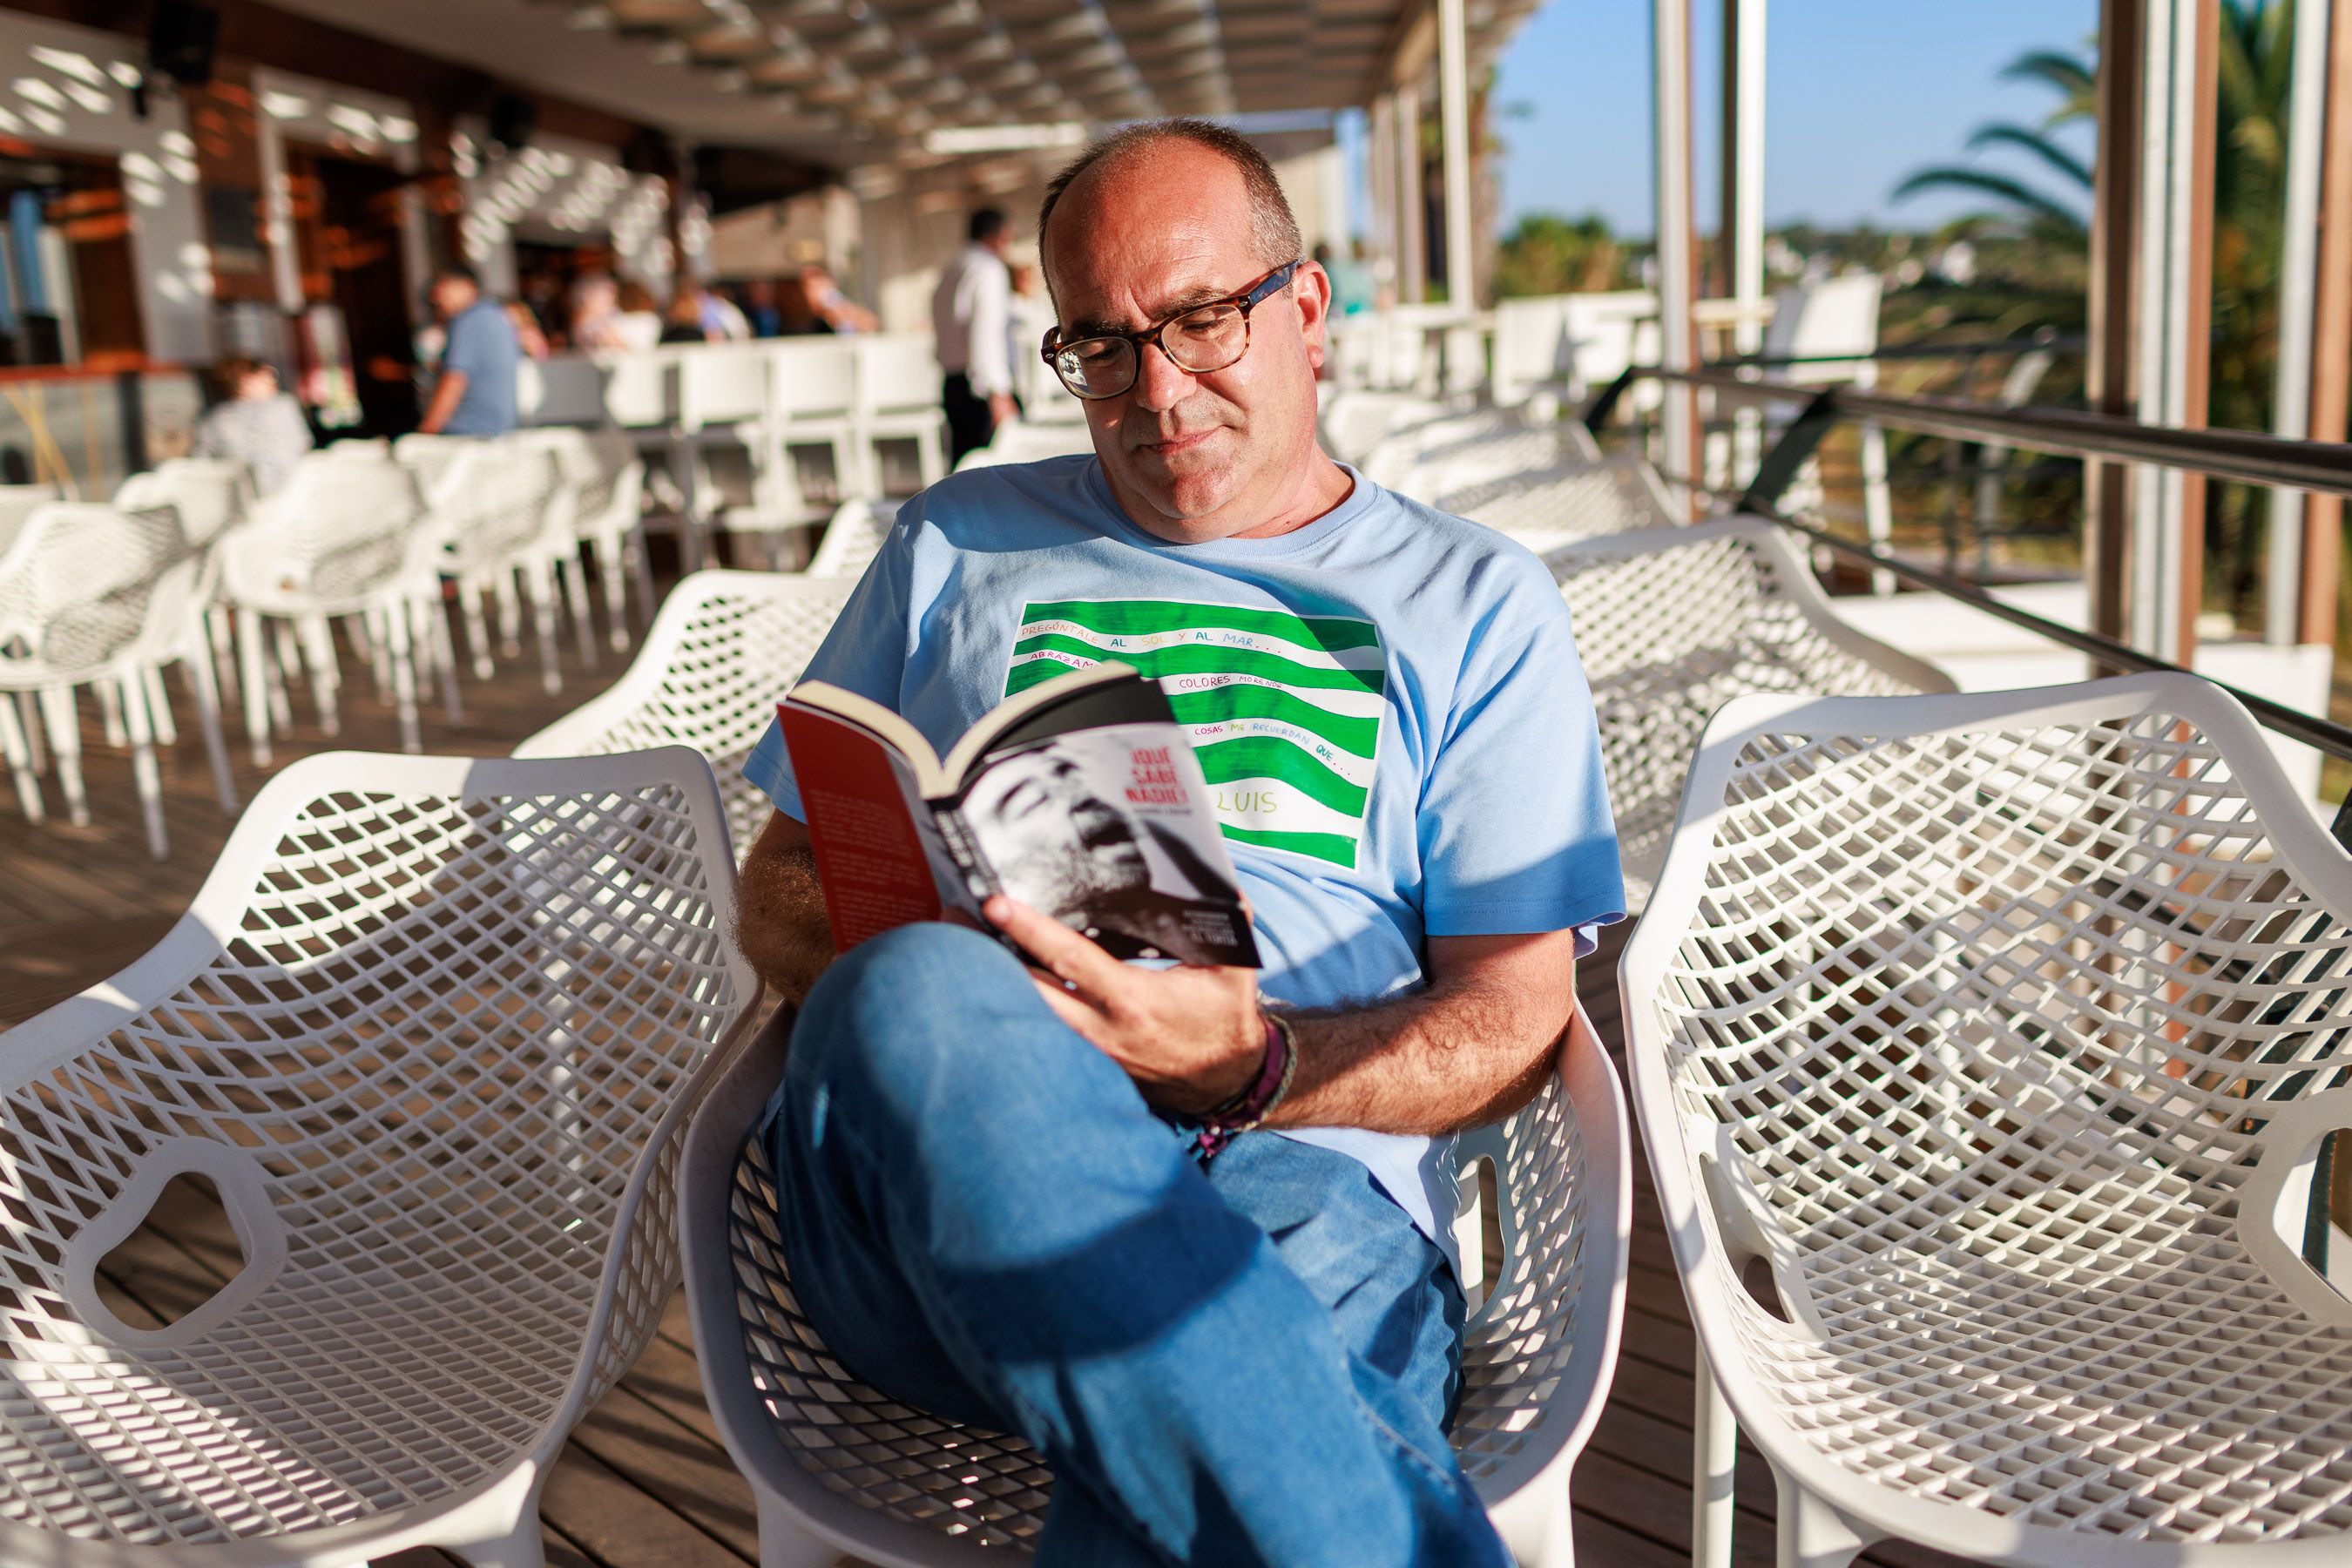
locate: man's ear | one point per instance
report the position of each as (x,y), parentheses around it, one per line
(1311,286)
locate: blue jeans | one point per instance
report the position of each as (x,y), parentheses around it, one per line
(1246,1364)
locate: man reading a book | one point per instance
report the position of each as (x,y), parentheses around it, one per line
(1186,1228)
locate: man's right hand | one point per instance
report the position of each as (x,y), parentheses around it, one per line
(1001,410)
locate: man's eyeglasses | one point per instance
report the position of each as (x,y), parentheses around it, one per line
(1197,339)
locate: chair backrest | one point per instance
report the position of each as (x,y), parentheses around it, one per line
(570,391)
(493,500)
(726,647)
(339,525)
(1839,316)
(426,1030)
(17,502)
(1021,442)
(813,378)
(641,390)
(853,538)
(82,583)
(1353,422)
(1546,508)
(721,383)
(431,458)
(1670,623)
(1915,966)
(211,494)
(898,373)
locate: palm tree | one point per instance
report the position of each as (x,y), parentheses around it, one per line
(2047,226)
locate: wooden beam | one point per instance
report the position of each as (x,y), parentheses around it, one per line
(2331,352)
(2198,346)
(2114,295)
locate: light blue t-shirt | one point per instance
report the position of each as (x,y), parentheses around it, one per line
(483,348)
(1387,704)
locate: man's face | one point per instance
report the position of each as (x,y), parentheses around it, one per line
(1188,457)
(1053,841)
(452,294)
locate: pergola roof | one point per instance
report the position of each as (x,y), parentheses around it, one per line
(862,81)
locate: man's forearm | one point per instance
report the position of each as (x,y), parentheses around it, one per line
(448,393)
(780,921)
(1452,1057)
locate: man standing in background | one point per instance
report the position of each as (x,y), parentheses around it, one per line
(475,394)
(970,313)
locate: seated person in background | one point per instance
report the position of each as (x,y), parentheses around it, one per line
(760,309)
(1025,1197)
(638,325)
(253,423)
(529,336)
(594,314)
(683,322)
(837,310)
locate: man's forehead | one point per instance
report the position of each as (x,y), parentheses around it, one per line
(1149,233)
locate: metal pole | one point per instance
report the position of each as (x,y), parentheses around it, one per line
(1743,204)
(1669,50)
(2201,75)
(2163,311)
(1453,127)
(2114,291)
(1412,206)
(2298,264)
(2331,338)
(1380,172)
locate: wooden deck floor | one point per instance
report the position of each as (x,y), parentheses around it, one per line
(644,1483)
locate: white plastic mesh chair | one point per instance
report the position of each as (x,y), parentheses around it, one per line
(211,494)
(1670,624)
(898,400)
(1450,453)
(853,538)
(1022,442)
(607,480)
(725,648)
(505,513)
(1546,508)
(429,1030)
(835,1466)
(346,534)
(1990,1035)
(1352,421)
(17,504)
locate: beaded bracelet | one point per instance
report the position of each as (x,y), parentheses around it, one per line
(1250,1109)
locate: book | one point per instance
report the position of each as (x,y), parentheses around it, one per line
(1080,797)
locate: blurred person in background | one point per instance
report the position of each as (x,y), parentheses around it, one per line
(255,422)
(1029,314)
(595,313)
(760,310)
(795,316)
(721,322)
(1352,281)
(475,393)
(837,310)
(684,322)
(637,326)
(529,335)
(971,313)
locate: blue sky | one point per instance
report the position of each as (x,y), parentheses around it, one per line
(1858,94)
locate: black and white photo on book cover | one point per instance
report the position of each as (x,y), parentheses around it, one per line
(1101,828)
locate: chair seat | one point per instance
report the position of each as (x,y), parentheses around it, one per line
(2042,1350)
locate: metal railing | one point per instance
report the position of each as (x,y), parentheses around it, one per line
(2320,465)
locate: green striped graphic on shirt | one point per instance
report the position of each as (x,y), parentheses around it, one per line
(1284,710)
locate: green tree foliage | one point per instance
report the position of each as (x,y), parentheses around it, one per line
(1547,253)
(2034,239)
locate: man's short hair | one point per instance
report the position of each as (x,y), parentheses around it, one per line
(456,272)
(1274,229)
(986,224)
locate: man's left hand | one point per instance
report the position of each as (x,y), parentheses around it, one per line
(1191,1036)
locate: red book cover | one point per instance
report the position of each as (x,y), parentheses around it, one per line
(858,802)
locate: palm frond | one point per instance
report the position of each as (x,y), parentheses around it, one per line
(2074,79)
(2036,143)
(1945,177)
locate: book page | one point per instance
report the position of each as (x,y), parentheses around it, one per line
(1109,831)
(873,860)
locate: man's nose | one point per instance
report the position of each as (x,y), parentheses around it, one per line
(1160,384)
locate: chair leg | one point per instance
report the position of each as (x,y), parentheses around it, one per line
(402,658)
(612,564)
(539,579)
(478,632)
(1715,1451)
(289,665)
(62,719)
(1813,1533)
(159,708)
(1878,508)
(139,725)
(642,555)
(36,744)
(19,755)
(784,1545)
(570,573)
(509,603)
(254,676)
(318,640)
(196,670)
(444,644)
(109,714)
